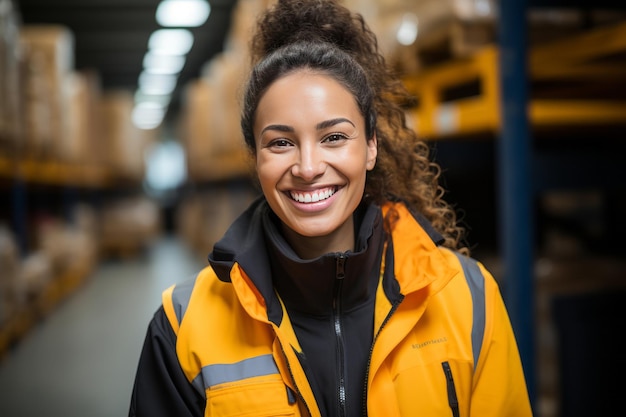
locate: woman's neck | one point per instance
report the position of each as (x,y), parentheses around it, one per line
(307,247)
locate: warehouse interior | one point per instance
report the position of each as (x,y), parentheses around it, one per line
(114,188)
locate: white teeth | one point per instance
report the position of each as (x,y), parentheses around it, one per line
(313,197)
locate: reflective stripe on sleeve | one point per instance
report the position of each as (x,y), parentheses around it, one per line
(180,298)
(476,283)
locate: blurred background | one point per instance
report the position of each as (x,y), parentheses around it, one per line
(121,163)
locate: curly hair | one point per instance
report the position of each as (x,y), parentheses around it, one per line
(404,171)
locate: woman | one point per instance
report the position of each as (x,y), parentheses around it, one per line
(342,290)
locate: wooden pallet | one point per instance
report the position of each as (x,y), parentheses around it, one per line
(462,97)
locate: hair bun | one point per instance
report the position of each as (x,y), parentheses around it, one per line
(289,21)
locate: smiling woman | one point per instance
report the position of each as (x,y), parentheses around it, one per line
(312,143)
(344,289)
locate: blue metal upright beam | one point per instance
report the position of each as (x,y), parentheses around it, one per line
(515,185)
(20,218)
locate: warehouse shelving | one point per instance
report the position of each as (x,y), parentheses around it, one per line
(56,187)
(558,108)
(576,59)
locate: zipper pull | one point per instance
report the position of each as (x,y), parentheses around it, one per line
(291,396)
(341,261)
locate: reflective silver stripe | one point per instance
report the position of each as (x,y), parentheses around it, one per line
(212,375)
(476,283)
(180,298)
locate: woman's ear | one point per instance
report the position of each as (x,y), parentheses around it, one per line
(372,152)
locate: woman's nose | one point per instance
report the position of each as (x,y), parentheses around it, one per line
(310,163)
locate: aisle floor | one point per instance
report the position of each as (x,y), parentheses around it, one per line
(81,360)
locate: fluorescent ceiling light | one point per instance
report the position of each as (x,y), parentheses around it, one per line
(148,115)
(162,99)
(156,63)
(171,41)
(183,13)
(157,83)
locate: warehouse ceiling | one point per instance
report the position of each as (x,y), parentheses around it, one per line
(111,36)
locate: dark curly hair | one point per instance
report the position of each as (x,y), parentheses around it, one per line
(403,171)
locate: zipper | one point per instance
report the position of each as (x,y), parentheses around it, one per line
(394,307)
(452,399)
(298,393)
(341,389)
(369,360)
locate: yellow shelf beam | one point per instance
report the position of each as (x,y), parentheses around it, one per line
(55,173)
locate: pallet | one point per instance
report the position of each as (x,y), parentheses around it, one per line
(462,97)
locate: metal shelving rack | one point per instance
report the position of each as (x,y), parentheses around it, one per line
(495,101)
(515,152)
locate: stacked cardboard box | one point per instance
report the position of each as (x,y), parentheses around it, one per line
(128,225)
(48,52)
(9,262)
(125,144)
(10,115)
(82,143)
(204,217)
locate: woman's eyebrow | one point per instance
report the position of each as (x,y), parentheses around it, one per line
(332,122)
(280,128)
(321,125)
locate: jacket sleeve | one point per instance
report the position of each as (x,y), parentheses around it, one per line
(161,388)
(499,383)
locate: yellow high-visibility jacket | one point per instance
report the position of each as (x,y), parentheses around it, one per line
(443,344)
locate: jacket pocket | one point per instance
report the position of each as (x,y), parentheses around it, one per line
(260,398)
(452,397)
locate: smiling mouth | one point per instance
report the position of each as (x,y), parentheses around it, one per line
(312,196)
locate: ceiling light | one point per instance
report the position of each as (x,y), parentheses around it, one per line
(158,84)
(148,115)
(407,33)
(171,41)
(156,63)
(162,99)
(183,13)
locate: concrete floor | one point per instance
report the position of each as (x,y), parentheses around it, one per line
(81,360)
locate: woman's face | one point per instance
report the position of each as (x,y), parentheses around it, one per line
(311,158)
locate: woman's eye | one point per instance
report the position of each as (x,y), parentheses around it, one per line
(335,137)
(279,143)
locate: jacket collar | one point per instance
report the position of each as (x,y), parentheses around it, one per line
(310,286)
(416,262)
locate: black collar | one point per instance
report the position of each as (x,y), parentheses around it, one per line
(309,286)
